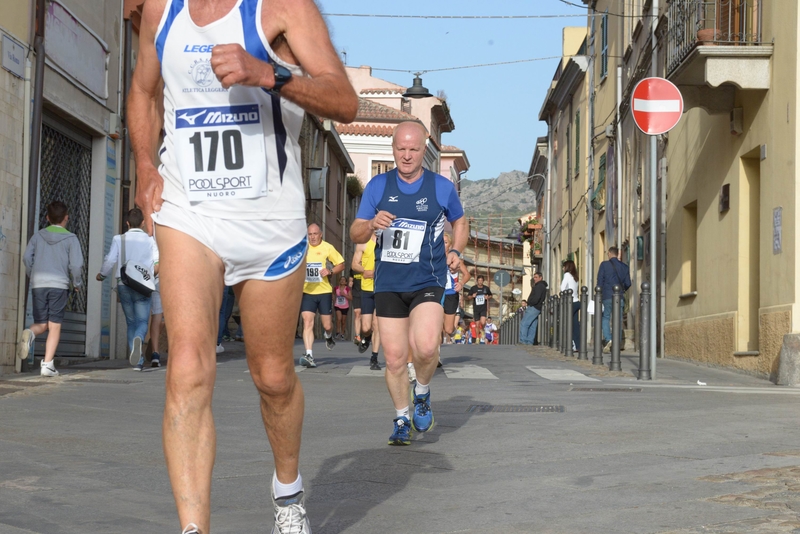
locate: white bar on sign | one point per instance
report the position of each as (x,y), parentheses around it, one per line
(656,105)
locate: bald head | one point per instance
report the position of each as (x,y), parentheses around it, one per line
(408,147)
(405,129)
(314,234)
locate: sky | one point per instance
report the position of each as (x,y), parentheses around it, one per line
(495,108)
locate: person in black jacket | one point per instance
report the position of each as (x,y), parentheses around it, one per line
(529,323)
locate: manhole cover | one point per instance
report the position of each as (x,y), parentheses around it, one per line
(104,381)
(514,408)
(604,390)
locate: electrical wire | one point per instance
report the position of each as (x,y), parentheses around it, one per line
(464,17)
(420,72)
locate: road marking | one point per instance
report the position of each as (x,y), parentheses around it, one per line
(562,375)
(364,370)
(468,371)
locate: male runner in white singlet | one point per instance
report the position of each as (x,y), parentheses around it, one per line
(227,199)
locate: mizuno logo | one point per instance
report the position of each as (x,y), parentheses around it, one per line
(200,117)
(191,118)
(393,199)
(411,225)
(428,294)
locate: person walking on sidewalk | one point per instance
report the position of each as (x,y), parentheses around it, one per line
(570,281)
(452,294)
(317,291)
(156,318)
(134,245)
(237,78)
(530,320)
(408,207)
(53,259)
(612,272)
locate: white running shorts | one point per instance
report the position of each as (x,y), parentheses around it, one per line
(249,249)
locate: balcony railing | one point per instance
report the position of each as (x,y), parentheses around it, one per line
(717,22)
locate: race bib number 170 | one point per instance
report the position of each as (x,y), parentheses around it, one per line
(220,152)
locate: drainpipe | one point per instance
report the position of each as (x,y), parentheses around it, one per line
(36,126)
(618,158)
(125,181)
(547,206)
(325,187)
(590,174)
(655,320)
(34,145)
(22,290)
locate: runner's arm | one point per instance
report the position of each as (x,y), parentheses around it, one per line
(355,265)
(144,114)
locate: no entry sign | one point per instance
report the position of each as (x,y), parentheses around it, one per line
(657,105)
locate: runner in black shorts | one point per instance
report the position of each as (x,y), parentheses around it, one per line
(407,208)
(480,294)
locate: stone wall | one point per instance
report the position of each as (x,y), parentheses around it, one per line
(11,105)
(711,340)
(773,324)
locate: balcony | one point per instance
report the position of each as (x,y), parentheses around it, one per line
(715,47)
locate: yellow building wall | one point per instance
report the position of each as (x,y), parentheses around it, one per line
(14,19)
(746,295)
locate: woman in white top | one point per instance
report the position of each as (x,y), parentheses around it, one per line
(570,281)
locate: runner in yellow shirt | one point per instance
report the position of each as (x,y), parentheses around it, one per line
(317,290)
(364,264)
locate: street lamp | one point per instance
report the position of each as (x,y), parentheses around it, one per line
(417,90)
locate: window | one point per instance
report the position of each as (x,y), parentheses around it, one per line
(604,45)
(577,142)
(689,249)
(380,167)
(599,194)
(569,155)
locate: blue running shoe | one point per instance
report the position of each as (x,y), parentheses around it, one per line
(422,417)
(402,432)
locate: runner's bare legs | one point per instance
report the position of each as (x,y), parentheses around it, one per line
(191,291)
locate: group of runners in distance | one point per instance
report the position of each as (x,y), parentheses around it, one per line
(272,62)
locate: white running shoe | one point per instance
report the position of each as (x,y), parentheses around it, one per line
(412,373)
(25,344)
(191,528)
(48,369)
(136,351)
(220,348)
(290,515)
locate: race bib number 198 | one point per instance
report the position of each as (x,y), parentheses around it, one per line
(220,152)
(313,275)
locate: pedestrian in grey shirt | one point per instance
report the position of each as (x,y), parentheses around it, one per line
(52,259)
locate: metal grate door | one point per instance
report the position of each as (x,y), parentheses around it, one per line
(66,171)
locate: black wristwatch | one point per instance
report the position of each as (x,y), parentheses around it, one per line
(282,76)
(454,251)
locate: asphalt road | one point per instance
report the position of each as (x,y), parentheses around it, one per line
(526,441)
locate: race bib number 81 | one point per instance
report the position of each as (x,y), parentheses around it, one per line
(402,241)
(220,152)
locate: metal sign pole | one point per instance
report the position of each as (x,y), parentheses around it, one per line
(653,248)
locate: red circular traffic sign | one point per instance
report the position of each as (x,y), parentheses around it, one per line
(657,105)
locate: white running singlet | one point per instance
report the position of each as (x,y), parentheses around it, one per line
(227,153)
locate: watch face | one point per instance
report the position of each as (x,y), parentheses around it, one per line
(282,74)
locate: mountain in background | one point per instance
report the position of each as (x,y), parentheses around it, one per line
(507,195)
